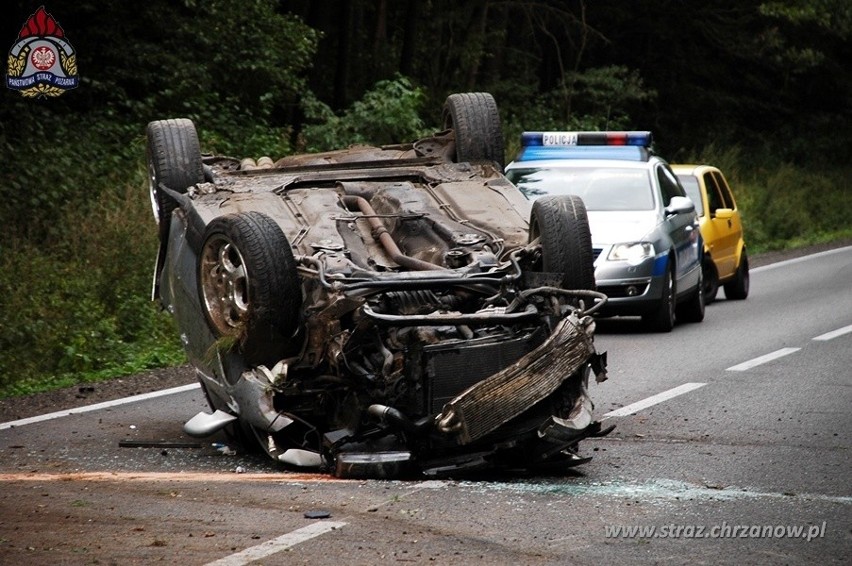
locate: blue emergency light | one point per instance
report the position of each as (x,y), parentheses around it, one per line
(633,145)
(641,139)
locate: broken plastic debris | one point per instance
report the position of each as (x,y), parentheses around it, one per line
(224,449)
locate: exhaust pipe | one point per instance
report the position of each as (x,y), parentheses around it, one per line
(381,234)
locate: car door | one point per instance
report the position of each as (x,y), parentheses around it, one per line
(724,221)
(682,229)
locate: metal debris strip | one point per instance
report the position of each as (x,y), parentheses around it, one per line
(156,444)
(496,400)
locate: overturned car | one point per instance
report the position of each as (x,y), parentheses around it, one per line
(394,311)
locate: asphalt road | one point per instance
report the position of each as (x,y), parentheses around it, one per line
(731,436)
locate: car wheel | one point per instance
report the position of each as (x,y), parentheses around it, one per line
(711,280)
(562,224)
(692,310)
(737,289)
(475,120)
(174,159)
(662,319)
(248,285)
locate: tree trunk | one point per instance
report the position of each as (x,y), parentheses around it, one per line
(409,39)
(341,74)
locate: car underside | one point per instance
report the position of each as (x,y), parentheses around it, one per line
(394,311)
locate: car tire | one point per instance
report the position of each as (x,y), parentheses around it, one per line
(248,286)
(562,224)
(737,290)
(711,280)
(662,319)
(475,121)
(174,159)
(692,310)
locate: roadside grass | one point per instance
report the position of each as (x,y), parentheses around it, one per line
(76,308)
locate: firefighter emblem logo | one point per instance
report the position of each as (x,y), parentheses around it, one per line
(42,62)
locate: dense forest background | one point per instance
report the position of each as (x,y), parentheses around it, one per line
(761,88)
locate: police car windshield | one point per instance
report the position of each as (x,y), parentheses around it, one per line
(601,188)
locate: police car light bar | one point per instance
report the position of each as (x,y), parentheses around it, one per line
(562,139)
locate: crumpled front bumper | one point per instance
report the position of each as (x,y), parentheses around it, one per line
(494,401)
(541,398)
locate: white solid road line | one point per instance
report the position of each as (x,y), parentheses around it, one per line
(763,359)
(98,406)
(653,400)
(834,333)
(799,259)
(276,545)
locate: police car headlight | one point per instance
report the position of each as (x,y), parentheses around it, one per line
(633,254)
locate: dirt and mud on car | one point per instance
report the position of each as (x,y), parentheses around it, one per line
(378,312)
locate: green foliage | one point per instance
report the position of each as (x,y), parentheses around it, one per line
(77,239)
(80,308)
(228,66)
(43,178)
(389,113)
(791,204)
(598,99)
(242,56)
(830,16)
(606,95)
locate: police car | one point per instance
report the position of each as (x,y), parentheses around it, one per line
(645,233)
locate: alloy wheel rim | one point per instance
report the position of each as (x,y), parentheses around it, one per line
(224,284)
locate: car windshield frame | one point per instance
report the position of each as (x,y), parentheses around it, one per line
(603,188)
(692,186)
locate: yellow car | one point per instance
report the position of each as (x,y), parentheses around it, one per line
(725,260)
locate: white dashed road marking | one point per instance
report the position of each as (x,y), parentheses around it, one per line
(276,545)
(834,333)
(653,400)
(763,359)
(293,538)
